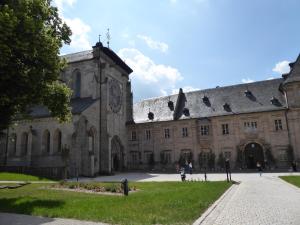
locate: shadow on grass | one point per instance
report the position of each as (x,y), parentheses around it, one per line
(7,218)
(27,205)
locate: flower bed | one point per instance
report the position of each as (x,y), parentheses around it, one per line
(101,188)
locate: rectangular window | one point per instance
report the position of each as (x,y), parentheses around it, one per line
(167,133)
(166,157)
(225,129)
(250,125)
(227,155)
(133,135)
(278,125)
(134,157)
(184,132)
(148,134)
(204,130)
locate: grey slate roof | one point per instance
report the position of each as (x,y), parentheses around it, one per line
(87,55)
(78,56)
(262,91)
(294,74)
(78,105)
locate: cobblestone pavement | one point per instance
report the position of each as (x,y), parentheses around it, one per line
(261,201)
(18,219)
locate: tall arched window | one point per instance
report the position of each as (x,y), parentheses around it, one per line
(92,140)
(76,83)
(13,144)
(46,142)
(57,140)
(24,143)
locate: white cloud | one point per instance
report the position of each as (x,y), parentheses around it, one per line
(270,78)
(80,30)
(185,89)
(247,80)
(282,67)
(161,46)
(61,3)
(149,79)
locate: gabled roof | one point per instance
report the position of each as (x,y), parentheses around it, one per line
(219,100)
(294,74)
(78,105)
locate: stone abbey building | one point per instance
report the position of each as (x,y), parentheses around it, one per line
(245,123)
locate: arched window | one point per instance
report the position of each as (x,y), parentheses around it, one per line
(24,143)
(13,144)
(46,142)
(57,140)
(91,137)
(76,77)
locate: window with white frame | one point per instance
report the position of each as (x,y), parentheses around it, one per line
(133,135)
(204,129)
(278,125)
(250,126)
(167,133)
(148,134)
(225,129)
(184,132)
(227,155)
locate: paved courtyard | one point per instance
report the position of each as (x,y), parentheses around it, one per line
(147,177)
(265,200)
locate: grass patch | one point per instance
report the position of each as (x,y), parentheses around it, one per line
(295,180)
(154,203)
(20,177)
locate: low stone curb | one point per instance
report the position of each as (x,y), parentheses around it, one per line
(207,217)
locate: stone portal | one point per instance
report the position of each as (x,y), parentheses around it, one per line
(253,154)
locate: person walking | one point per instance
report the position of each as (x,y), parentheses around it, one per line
(182,174)
(190,168)
(259,168)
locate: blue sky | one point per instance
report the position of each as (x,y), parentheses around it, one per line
(193,44)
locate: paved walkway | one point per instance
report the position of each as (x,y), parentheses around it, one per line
(18,219)
(262,201)
(145,177)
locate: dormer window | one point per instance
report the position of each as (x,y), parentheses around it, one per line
(248,93)
(150,115)
(275,101)
(226,107)
(186,112)
(171,105)
(206,101)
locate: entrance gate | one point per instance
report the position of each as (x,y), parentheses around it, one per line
(253,154)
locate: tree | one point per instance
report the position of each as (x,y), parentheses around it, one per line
(290,154)
(31,35)
(239,158)
(211,160)
(270,160)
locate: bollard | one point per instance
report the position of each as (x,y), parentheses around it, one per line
(124,183)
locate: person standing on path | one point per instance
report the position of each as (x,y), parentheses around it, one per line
(259,168)
(191,168)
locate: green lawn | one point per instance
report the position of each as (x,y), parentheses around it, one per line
(20,177)
(295,180)
(154,203)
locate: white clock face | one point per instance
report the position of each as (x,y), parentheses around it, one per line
(115,95)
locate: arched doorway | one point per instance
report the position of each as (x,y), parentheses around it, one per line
(117,156)
(253,154)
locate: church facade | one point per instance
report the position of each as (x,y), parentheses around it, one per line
(247,124)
